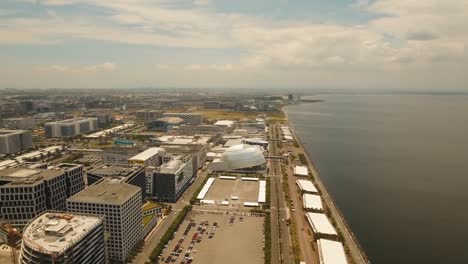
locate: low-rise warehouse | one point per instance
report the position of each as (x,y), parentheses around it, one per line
(320,224)
(331,252)
(306,186)
(312,201)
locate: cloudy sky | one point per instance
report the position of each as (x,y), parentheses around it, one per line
(348,44)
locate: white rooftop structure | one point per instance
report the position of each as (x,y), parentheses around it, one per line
(331,252)
(110,131)
(306,186)
(312,201)
(225,123)
(233,142)
(250,204)
(320,224)
(301,171)
(206,187)
(262,192)
(7,163)
(147,154)
(239,157)
(56,232)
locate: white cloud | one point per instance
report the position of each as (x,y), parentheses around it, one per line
(404,36)
(102,67)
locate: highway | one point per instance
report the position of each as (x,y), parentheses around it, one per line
(153,239)
(280,236)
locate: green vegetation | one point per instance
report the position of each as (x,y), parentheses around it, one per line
(147,219)
(267,228)
(266,205)
(169,234)
(295,143)
(303,159)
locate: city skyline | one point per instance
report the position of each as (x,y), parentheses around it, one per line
(375,45)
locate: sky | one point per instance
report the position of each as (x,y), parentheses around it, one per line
(410,45)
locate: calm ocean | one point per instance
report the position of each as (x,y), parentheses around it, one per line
(397,166)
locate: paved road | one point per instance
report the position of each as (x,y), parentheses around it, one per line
(153,239)
(281,246)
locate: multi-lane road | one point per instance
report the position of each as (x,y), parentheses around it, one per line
(280,237)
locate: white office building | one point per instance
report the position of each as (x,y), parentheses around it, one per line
(12,141)
(70,127)
(120,203)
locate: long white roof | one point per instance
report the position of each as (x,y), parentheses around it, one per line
(312,201)
(262,192)
(320,224)
(331,252)
(306,186)
(147,154)
(205,188)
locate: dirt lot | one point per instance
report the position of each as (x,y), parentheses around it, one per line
(228,244)
(247,191)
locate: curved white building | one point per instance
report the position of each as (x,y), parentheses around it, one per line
(240,156)
(64,238)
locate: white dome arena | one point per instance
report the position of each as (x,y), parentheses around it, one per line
(241,156)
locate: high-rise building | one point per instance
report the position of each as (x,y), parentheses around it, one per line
(189,118)
(19,123)
(12,141)
(74,175)
(148,115)
(131,174)
(172,178)
(70,127)
(26,193)
(56,237)
(120,203)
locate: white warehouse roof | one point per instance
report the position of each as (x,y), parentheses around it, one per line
(312,201)
(147,154)
(301,171)
(331,252)
(320,224)
(306,186)
(226,123)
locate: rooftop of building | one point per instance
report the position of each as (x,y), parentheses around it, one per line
(11,131)
(147,154)
(181,114)
(116,170)
(171,120)
(26,176)
(56,232)
(71,120)
(150,205)
(108,191)
(172,166)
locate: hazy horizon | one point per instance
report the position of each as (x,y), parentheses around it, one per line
(340,44)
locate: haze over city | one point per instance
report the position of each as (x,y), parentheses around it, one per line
(375,45)
(233,131)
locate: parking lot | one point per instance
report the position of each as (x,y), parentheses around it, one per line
(209,238)
(244,191)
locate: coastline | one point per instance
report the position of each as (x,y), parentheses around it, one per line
(353,248)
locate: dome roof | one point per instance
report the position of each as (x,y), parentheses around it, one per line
(241,156)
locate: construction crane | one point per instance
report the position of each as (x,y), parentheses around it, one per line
(12,238)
